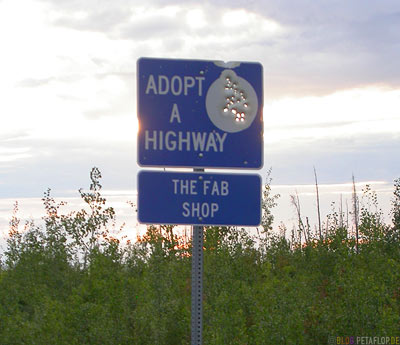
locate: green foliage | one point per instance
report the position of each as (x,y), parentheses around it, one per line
(396,211)
(73,282)
(269,201)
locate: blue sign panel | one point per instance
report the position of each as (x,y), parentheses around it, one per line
(195,113)
(199,198)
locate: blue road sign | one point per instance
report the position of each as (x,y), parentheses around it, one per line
(195,113)
(199,198)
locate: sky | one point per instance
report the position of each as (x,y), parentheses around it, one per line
(68,91)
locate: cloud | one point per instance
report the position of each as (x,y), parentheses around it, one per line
(367,156)
(94,19)
(349,112)
(116,108)
(39,82)
(35,82)
(8,137)
(64,165)
(307,47)
(12,154)
(152,27)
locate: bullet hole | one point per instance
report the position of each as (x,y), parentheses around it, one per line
(236,101)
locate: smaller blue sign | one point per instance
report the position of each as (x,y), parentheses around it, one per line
(199,198)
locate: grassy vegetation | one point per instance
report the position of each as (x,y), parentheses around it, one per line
(71,282)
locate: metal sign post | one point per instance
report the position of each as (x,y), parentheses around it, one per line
(197,283)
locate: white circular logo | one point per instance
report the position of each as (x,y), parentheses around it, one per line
(231,102)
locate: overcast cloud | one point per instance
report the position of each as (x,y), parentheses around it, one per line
(307,47)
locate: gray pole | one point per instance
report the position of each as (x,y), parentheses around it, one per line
(197,283)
